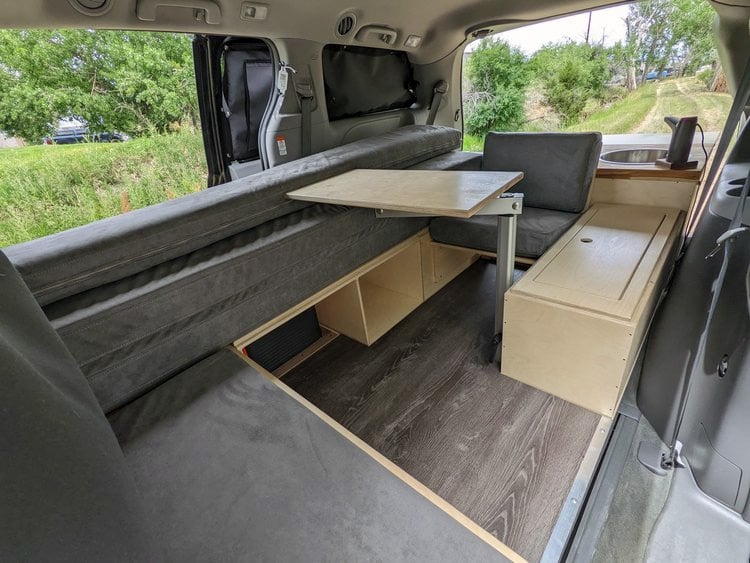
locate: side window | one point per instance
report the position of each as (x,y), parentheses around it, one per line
(361,81)
(619,70)
(94,124)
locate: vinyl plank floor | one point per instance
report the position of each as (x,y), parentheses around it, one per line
(425,396)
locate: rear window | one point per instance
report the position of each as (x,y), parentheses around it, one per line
(361,81)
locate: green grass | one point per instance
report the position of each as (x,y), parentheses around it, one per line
(47,189)
(622,116)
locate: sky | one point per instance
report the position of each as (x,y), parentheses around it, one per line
(607,24)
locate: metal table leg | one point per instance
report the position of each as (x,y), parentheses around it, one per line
(506,259)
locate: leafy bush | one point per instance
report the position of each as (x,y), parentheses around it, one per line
(705,77)
(498,76)
(572,74)
(134,82)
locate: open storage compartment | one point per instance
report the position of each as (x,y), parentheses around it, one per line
(373,303)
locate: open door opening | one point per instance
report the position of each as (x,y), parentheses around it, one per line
(235,79)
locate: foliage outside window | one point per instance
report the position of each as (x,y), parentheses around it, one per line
(665,64)
(138,84)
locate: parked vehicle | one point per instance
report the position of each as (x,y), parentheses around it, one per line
(654,74)
(77,133)
(362,343)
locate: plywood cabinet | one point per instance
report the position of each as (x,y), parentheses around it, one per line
(574,322)
(374,302)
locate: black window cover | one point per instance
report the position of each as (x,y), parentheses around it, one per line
(360,80)
(247,82)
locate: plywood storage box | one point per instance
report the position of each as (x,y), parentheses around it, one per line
(573,324)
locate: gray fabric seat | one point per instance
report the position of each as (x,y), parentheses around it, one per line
(536,230)
(558,169)
(64,490)
(232,468)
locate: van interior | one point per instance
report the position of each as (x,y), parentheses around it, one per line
(246,374)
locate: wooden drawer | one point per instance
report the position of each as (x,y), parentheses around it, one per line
(573,324)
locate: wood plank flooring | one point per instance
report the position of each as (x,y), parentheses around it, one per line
(424,395)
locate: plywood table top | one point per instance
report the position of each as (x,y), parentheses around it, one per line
(447,193)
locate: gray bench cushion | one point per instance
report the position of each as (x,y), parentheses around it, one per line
(537,230)
(558,167)
(64,490)
(73,261)
(131,334)
(234,469)
(454,160)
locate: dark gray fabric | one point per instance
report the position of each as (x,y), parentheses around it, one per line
(234,469)
(65,494)
(454,160)
(558,167)
(131,334)
(73,261)
(536,231)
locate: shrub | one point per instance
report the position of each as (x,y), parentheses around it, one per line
(571,74)
(498,76)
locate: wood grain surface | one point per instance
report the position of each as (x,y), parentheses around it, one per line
(447,193)
(502,452)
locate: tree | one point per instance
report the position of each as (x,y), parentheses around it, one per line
(570,75)
(664,33)
(498,77)
(134,82)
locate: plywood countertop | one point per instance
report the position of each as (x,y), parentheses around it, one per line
(651,141)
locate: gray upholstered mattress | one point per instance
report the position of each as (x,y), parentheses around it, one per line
(131,334)
(232,468)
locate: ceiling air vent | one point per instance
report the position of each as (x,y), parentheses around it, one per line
(345,25)
(92,7)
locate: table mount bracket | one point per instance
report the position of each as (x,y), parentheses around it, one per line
(504,204)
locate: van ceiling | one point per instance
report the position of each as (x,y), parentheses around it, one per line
(442,24)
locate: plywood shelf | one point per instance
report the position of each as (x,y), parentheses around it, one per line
(384,308)
(378,299)
(574,323)
(369,301)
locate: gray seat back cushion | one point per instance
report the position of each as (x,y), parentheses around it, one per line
(558,167)
(73,261)
(65,492)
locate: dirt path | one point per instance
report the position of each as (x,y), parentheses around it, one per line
(682,97)
(643,126)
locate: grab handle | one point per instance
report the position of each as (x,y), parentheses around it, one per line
(211,11)
(385,34)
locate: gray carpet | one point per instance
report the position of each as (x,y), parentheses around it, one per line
(638,501)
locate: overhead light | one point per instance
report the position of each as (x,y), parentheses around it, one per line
(413,41)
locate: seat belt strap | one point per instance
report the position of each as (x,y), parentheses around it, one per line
(306,103)
(440,88)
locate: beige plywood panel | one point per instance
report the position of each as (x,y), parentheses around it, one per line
(676,194)
(384,308)
(342,312)
(603,263)
(428,192)
(442,263)
(402,273)
(566,352)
